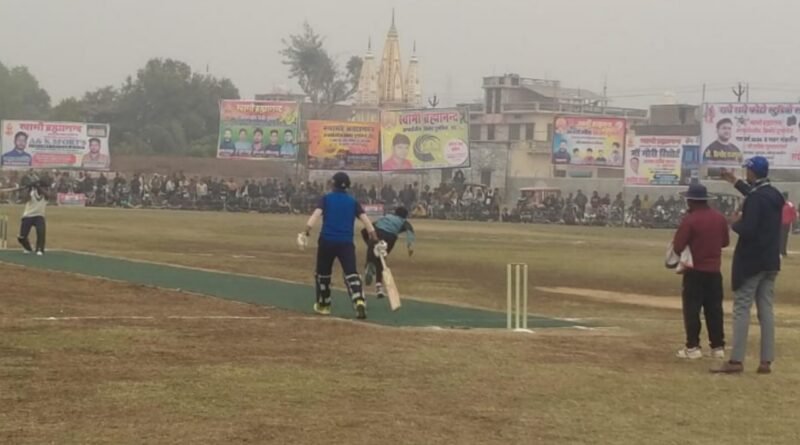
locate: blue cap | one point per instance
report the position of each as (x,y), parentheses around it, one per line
(758,165)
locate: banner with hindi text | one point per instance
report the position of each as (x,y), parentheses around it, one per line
(734,132)
(252,129)
(661,160)
(589,141)
(424,139)
(335,145)
(54,145)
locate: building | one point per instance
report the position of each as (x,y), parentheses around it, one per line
(516,118)
(671,120)
(386,86)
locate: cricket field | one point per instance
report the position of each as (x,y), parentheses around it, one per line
(90,360)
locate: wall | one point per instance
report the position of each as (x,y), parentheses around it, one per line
(192,166)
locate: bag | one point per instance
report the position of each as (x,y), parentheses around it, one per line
(680,263)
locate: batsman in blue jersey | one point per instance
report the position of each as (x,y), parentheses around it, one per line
(338,211)
(387,229)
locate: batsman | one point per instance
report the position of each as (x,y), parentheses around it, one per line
(338,211)
(388,229)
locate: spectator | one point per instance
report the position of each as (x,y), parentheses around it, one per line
(788,220)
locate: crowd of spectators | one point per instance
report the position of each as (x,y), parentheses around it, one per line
(597,210)
(454,200)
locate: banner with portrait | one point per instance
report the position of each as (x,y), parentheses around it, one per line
(661,160)
(252,129)
(589,141)
(424,139)
(55,145)
(335,145)
(734,132)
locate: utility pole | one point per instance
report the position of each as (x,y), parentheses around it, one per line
(747,92)
(605,93)
(433,101)
(739,91)
(703,100)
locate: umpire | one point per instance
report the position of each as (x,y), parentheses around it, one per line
(338,211)
(705,232)
(756,262)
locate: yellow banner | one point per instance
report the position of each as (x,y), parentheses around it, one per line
(424,139)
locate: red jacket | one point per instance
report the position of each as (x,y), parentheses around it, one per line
(705,232)
(789,214)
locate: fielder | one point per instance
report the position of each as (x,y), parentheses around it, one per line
(387,230)
(338,210)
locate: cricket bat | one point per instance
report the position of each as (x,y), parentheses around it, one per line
(391,286)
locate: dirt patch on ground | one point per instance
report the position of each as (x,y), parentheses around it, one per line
(647,300)
(92,361)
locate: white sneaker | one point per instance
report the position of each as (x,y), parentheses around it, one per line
(39,253)
(690,353)
(718,353)
(27,252)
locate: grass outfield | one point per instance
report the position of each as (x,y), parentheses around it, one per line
(142,365)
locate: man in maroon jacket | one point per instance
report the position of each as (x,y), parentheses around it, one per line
(705,232)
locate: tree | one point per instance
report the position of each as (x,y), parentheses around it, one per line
(165,108)
(21,97)
(317,73)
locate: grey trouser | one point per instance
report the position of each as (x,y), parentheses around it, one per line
(760,288)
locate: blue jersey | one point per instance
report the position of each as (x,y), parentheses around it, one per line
(395,225)
(339,210)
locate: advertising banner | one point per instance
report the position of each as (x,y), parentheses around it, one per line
(334,145)
(424,139)
(660,160)
(374,211)
(734,132)
(250,129)
(71,199)
(589,141)
(56,145)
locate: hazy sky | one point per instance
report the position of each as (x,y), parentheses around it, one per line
(643,47)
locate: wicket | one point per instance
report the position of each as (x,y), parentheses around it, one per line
(3,232)
(517,284)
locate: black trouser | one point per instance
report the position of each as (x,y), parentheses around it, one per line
(786,229)
(25,230)
(371,257)
(703,290)
(327,253)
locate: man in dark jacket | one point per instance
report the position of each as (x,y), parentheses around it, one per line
(756,262)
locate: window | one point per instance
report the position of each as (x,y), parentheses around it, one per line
(490,132)
(549,132)
(489,101)
(475,132)
(529,128)
(486,177)
(513,132)
(497,108)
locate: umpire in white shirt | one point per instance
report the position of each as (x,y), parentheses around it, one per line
(33,217)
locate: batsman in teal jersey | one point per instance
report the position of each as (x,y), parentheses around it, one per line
(387,230)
